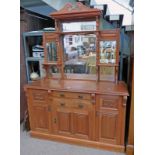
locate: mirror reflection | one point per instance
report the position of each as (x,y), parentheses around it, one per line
(107,73)
(51,51)
(108,52)
(79,26)
(54,72)
(80,54)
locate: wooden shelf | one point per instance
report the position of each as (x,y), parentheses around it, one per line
(34,59)
(108,65)
(51,63)
(78,32)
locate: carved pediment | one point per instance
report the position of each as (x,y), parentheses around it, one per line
(78,9)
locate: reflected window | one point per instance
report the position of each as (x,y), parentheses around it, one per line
(80,54)
(79,26)
(108,52)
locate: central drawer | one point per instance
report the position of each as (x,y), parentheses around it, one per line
(73,95)
(72,103)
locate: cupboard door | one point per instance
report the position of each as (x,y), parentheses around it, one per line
(40,118)
(107,123)
(73,119)
(62,120)
(82,124)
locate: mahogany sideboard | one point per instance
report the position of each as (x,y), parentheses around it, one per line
(87,113)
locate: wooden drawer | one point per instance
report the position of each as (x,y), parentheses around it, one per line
(107,101)
(38,96)
(72,103)
(62,94)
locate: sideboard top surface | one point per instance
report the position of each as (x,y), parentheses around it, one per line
(81,86)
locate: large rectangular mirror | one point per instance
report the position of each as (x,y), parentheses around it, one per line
(80,54)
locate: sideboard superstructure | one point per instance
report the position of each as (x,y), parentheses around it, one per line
(74,102)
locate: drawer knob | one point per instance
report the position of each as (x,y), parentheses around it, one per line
(80,96)
(49,109)
(55,120)
(62,95)
(49,91)
(62,104)
(80,106)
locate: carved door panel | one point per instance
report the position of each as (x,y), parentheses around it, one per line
(109,119)
(40,118)
(71,118)
(82,124)
(108,126)
(62,120)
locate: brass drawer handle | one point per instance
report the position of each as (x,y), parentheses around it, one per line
(80,96)
(62,104)
(80,106)
(62,95)
(55,120)
(49,108)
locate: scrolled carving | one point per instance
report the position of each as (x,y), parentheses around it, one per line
(77,8)
(69,7)
(109,104)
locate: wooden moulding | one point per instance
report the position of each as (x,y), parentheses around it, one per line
(130,150)
(81,142)
(70,11)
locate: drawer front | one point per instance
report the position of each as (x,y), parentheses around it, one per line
(72,103)
(71,95)
(39,96)
(108,101)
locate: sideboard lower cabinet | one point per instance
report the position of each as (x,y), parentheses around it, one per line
(80,100)
(73,114)
(91,116)
(38,110)
(73,118)
(108,119)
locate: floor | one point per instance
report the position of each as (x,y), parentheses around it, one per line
(34,146)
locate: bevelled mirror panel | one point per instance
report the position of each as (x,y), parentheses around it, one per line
(108,52)
(79,26)
(107,73)
(51,51)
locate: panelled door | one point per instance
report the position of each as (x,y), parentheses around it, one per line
(39,110)
(73,118)
(108,119)
(61,117)
(83,120)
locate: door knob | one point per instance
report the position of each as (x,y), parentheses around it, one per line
(55,120)
(62,104)
(62,95)
(80,96)
(80,106)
